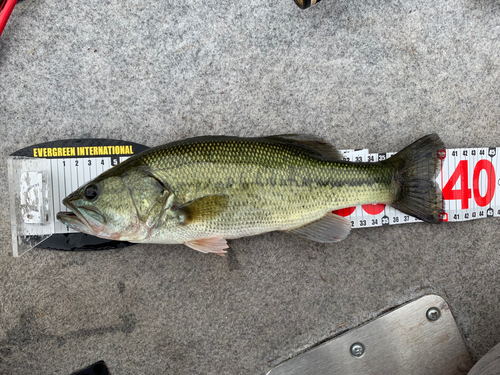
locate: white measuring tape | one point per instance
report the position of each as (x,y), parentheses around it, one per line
(40,176)
(467,179)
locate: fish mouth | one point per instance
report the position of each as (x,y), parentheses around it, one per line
(82,219)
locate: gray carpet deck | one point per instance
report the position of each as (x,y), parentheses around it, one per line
(361,74)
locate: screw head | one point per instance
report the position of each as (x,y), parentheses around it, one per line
(433,314)
(357,350)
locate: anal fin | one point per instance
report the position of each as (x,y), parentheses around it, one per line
(330,228)
(214,245)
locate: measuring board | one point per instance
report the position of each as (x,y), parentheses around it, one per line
(41,176)
(467,179)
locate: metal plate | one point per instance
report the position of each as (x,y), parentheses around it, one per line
(403,341)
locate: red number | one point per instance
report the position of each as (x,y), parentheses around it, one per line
(490,172)
(464,193)
(373,209)
(345,211)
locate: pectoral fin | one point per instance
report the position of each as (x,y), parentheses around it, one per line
(201,209)
(214,245)
(330,228)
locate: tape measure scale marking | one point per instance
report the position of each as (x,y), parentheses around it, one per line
(468,180)
(40,176)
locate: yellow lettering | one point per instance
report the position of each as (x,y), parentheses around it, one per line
(49,152)
(35,153)
(94,149)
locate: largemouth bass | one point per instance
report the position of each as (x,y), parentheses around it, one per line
(202,191)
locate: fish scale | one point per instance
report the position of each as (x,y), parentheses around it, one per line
(269,186)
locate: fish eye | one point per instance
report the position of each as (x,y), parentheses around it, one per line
(91,192)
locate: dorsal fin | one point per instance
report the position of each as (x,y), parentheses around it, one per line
(319,146)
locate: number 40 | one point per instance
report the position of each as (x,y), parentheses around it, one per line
(464,193)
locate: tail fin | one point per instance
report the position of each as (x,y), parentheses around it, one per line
(416,169)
